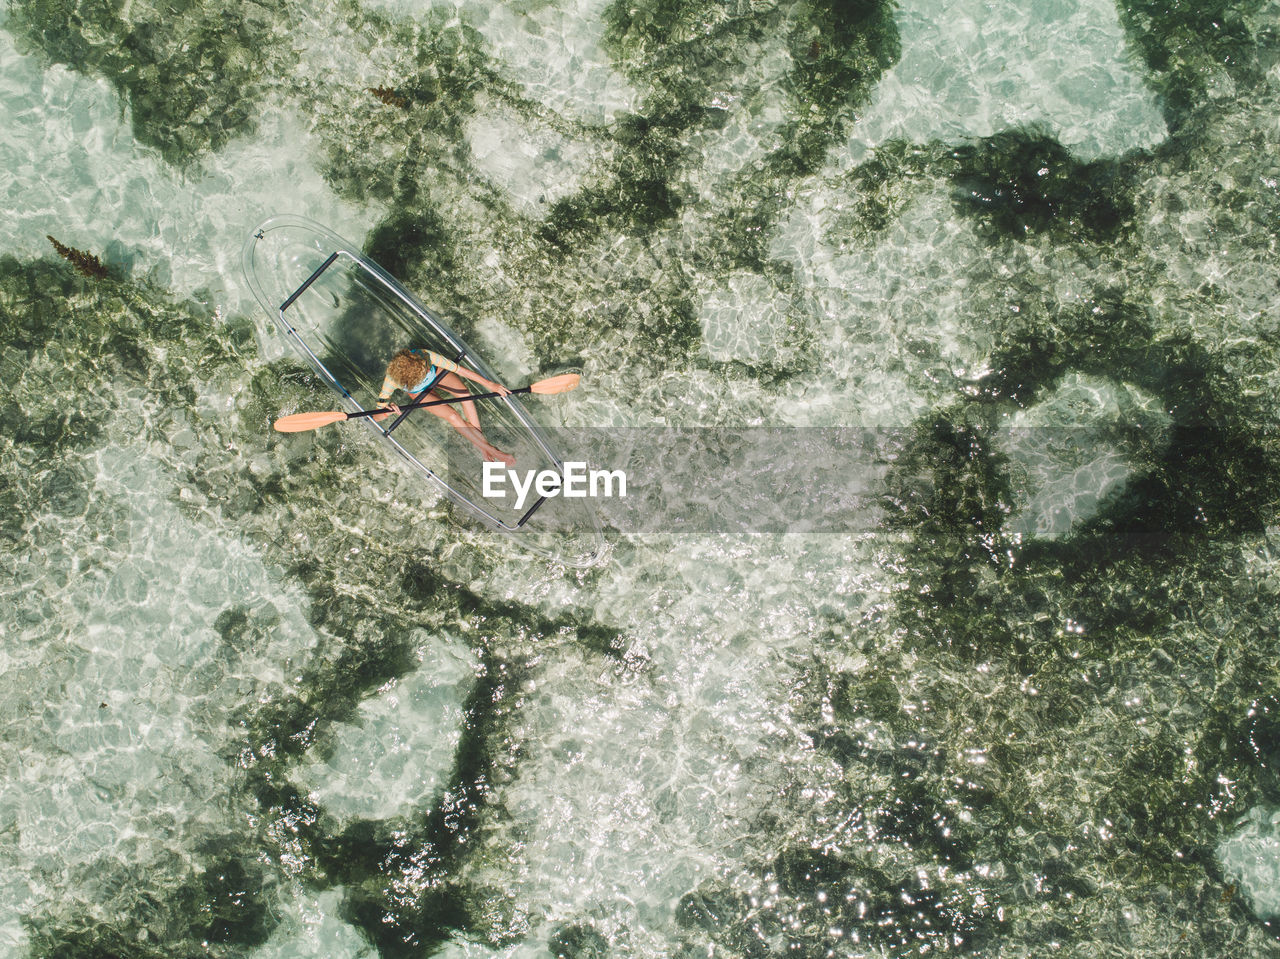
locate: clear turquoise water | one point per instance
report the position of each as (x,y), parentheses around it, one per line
(263,696)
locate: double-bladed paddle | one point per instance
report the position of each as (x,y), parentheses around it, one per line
(300,422)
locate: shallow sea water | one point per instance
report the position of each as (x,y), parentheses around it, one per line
(265,696)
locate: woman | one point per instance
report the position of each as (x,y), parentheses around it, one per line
(420,372)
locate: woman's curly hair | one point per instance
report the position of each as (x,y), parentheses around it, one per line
(407,368)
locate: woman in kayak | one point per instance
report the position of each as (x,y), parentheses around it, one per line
(423,372)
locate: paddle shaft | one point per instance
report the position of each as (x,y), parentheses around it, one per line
(453,399)
(299,422)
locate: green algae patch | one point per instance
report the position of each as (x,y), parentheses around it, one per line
(404,878)
(578,941)
(394,147)
(87,345)
(1210,478)
(686,53)
(883,185)
(639,198)
(401,875)
(682,49)
(817,902)
(419,239)
(1023,182)
(841,50)
(224,904)
(1196,51)
(193,75)
(1104,710)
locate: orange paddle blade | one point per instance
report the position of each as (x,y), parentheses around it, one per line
(556,384)
(301,422)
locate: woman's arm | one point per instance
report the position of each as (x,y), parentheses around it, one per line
(389,386)
(489,385)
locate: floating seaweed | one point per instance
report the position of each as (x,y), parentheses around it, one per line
(390,97)
(85,263)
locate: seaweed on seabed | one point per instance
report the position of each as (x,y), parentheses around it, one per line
(390,96)
(1023,182)
(1189,46)
(85,263)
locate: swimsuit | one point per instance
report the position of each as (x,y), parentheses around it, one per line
(437,366)
(427,380)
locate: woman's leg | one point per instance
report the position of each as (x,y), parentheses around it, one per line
(470,432)
(455,385)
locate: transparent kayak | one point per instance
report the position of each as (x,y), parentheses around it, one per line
(346,317)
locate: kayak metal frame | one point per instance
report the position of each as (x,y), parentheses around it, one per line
(307,282)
